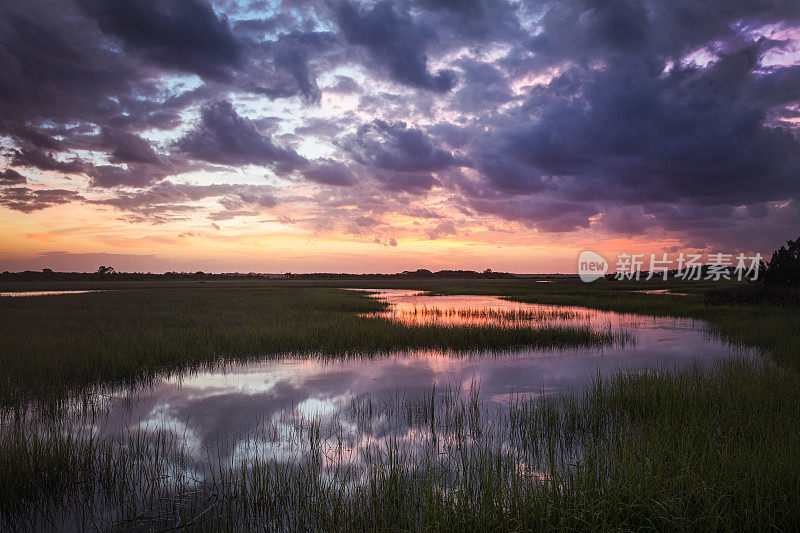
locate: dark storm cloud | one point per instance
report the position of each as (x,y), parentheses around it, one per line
(127,147)
(325,128)
(35,157)
(328,172)
(287,65)
(504,174)
(291,53)
(471,21)
(410,182)
(778,87)
(485,87)
(395,42)
(32,136)
(57,91)
(11,177)
(627,220)
(130,176)
(642,127)
(28,200)
(546,214)
(583,31)
(186,35)
(260,26)
(224,137)
(401,158)
(141,164)
(450,134)
(59,72)
(47,73)
(634,135)
(395,146)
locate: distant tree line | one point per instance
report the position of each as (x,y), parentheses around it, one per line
(783,268)
(421,273)
(50,275)
(108,273)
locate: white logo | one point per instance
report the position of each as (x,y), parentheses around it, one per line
(591,266)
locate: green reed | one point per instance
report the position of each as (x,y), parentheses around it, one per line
(692,448)
(51,345)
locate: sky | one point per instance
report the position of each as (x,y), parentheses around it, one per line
(344,136)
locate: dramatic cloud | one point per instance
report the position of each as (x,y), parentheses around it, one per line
(395,42)
(27,200)
(633,134)
(548,215)
(31,136)
(329,172)
(130,176)
(11,177)
(394,146)
(50,77)
(186,35)
(35,157)
(224,137)
(126,147)
(422,118)
(170,197)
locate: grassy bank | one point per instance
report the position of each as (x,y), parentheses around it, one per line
(690,449)
(53,344)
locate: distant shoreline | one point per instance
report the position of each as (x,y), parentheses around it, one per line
(36,275)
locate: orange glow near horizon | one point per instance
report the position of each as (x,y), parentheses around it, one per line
(80,237)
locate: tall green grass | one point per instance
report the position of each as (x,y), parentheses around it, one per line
(51,345)
(676,449)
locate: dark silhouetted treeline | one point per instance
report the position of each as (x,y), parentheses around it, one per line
(783,268)
(109,274)
(421,273)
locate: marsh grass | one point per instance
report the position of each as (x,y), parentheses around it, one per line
(766,324)
(514,317)
(693,449)
(53,345)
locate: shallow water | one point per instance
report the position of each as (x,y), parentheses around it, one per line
(19,294)
(261,408)
(662,291)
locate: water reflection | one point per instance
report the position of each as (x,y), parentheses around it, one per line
(267,408)
(416,308)
(19,294)
(662,291)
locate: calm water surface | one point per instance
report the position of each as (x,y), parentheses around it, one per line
(19,294)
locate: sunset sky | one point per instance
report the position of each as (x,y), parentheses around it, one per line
(309,136)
